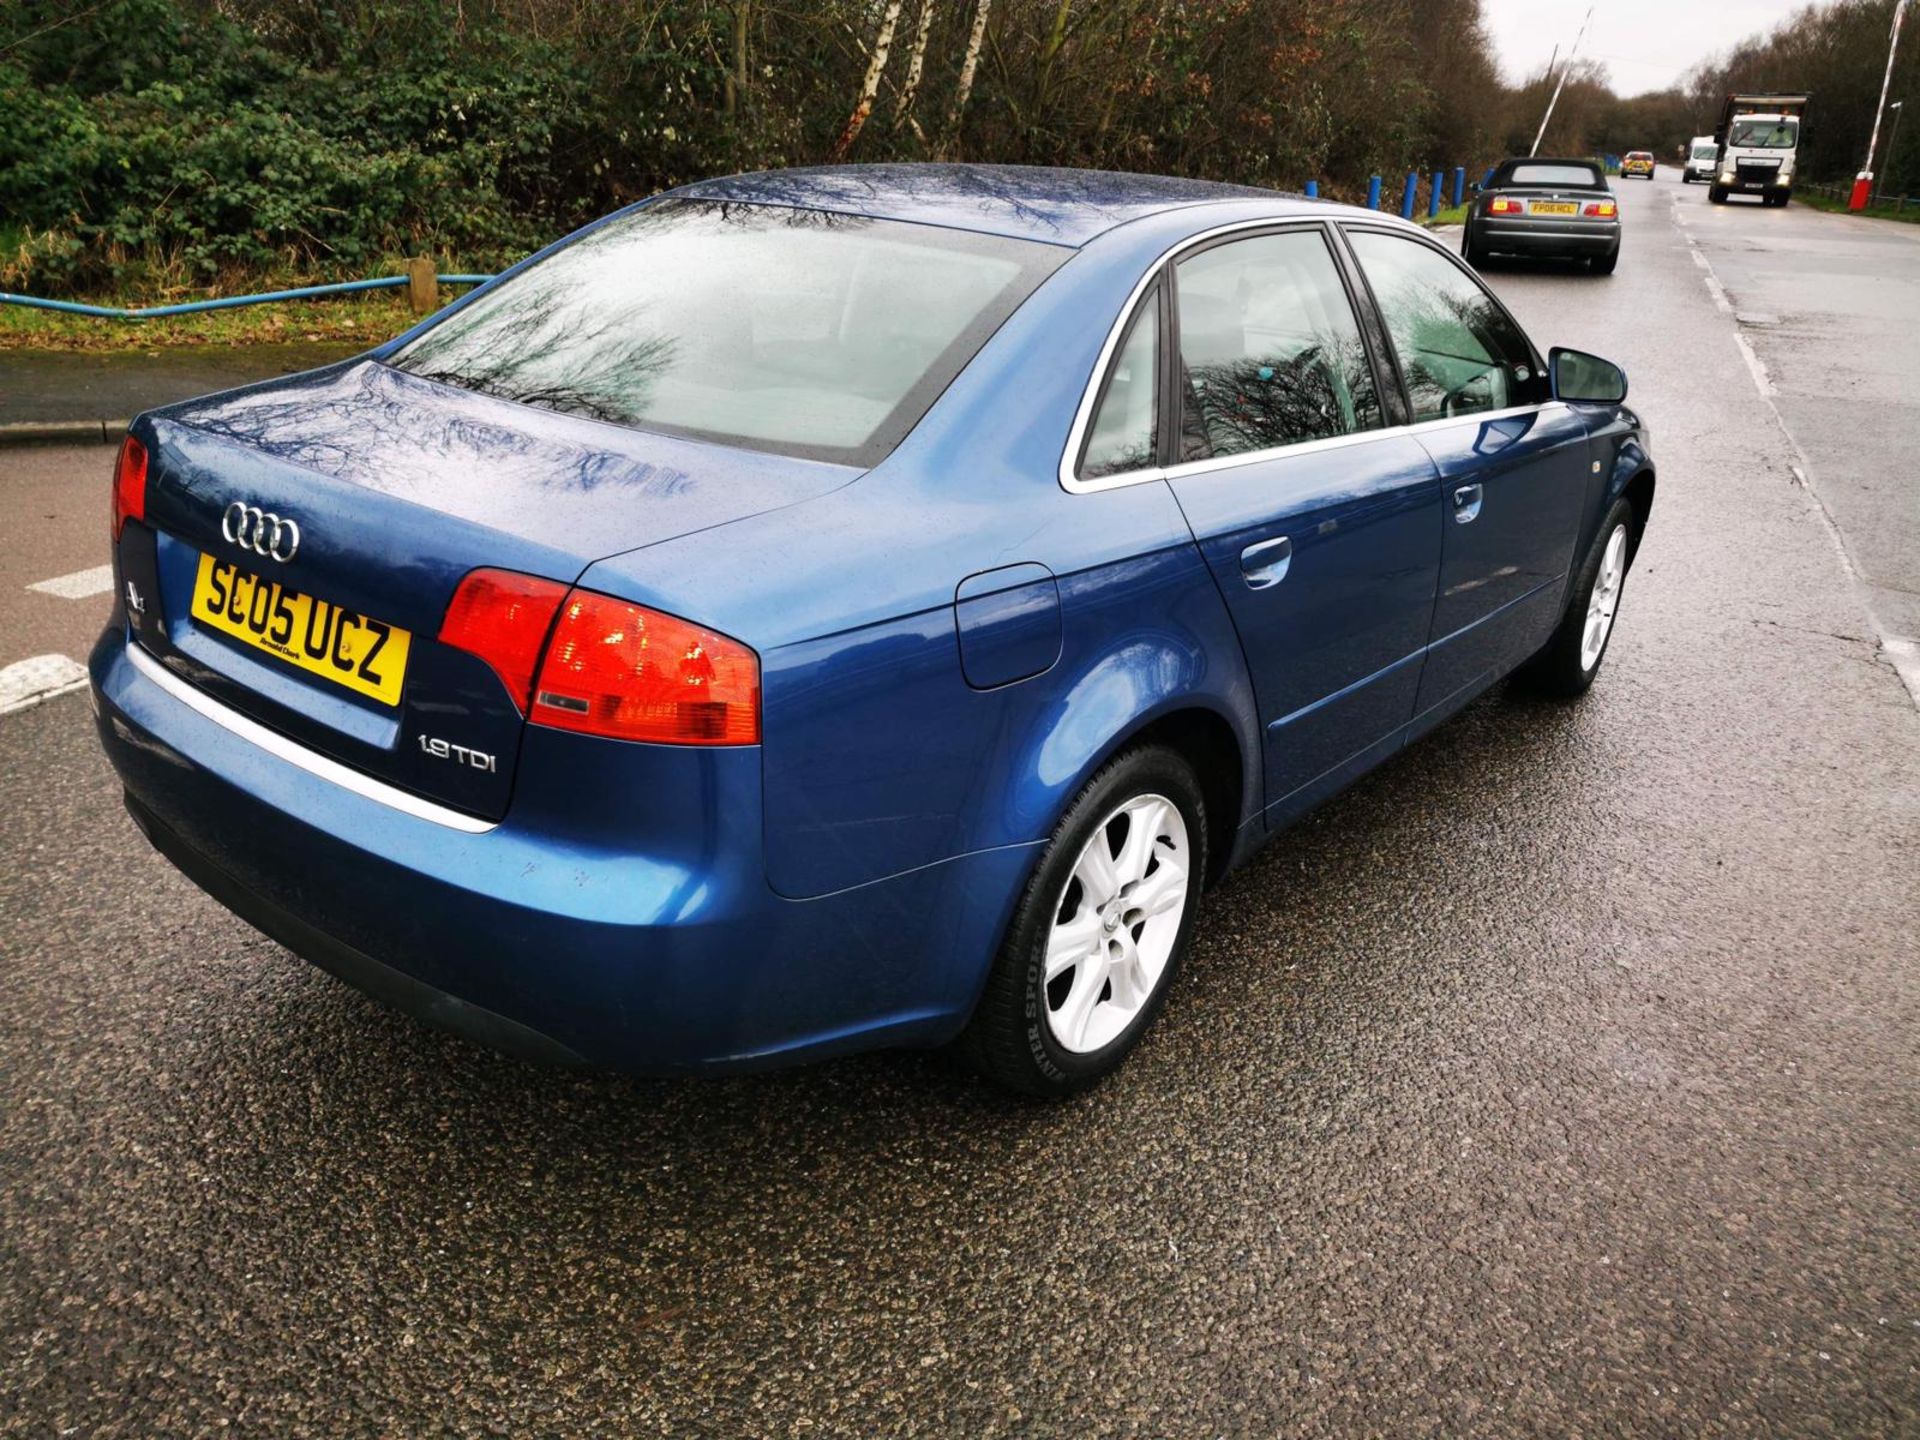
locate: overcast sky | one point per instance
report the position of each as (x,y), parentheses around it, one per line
(1645,44)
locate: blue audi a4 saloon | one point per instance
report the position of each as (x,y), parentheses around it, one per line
(847,607)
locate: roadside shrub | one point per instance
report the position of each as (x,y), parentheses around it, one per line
(148,145)
(221,152)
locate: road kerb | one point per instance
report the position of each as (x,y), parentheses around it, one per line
(28,682)
(62,432)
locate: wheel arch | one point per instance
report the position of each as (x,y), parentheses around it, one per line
(1198,726)
(1638,493)
(1202,736)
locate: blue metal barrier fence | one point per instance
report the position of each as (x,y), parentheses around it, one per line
(1436,189)
(157,312)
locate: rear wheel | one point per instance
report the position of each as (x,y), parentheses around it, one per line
(1473,252)
(1566,667)
(1099,932)
(1604,264)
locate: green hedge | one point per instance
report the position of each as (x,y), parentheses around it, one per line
(178,146)
(152,145)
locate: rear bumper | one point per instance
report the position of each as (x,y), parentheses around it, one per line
(550,935)
(1540,237)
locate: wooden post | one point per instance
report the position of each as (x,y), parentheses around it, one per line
(423,285)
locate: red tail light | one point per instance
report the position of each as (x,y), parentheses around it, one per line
(1604,209)
(606,666)
(625,671)
(129,485)
(1503,206)
(504,618)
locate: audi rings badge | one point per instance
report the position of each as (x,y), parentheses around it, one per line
(261,531)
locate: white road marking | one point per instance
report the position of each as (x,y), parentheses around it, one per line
(1902,652)
(1905,655)
(28,682)
(79,585)
(1755,364)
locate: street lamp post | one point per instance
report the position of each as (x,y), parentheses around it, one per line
(1863,182)
(1893,147)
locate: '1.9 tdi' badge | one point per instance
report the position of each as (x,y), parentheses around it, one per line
(459,754)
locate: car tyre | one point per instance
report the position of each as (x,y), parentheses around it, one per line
(1715,195)
(1604,264)
(1053,1034)
(1474,254)
(1566,666)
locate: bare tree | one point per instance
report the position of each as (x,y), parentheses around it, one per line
(969,66)
(737,70)
(870,86)
(916,62)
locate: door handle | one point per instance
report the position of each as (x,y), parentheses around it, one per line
(1466,504)
(1266,564)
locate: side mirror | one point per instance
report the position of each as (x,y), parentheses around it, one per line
(1473,187)
(1585,379)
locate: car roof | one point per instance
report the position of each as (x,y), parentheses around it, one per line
(1504,170)
(1027,202)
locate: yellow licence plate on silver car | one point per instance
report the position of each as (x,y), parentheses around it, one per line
(1555,207)
(367,656)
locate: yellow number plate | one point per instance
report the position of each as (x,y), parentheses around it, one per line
(367,656)
(1554,207)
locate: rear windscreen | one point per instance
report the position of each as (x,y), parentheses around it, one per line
(1531,174)
(798,331)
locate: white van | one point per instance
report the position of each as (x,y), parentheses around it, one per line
(1702,156)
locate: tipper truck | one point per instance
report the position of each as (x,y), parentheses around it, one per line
(1759,139)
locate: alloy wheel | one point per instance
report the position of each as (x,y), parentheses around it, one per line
(1116,923)
(1604,599)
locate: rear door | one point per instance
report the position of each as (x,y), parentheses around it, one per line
(1514,464)
(1321,526)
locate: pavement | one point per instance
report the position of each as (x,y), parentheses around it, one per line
(57,394)
(1561,1078)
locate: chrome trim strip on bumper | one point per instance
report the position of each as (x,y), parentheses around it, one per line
(299,756)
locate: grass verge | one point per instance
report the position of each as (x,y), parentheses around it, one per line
(370,318)
(1910,215)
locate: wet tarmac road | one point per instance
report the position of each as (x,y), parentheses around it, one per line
(1559,1079)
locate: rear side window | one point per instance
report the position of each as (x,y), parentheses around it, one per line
(1529,174)
(1270,352)
(798,331)
(1126,426)
(1459,353)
